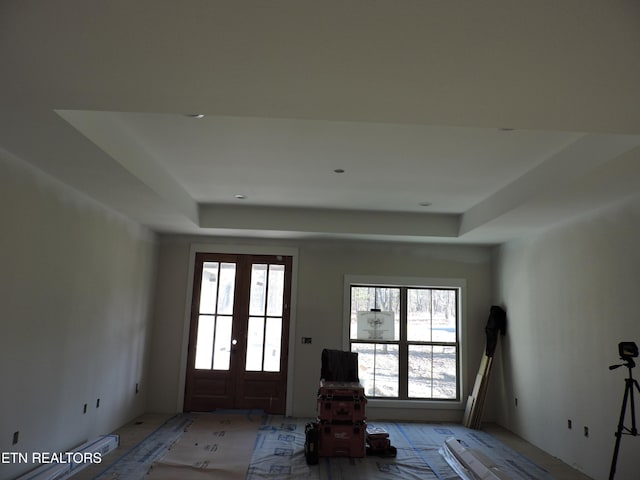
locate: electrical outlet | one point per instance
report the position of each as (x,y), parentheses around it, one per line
(586,431)
(306,340)
(569,424)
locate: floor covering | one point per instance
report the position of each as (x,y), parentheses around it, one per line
(248,444)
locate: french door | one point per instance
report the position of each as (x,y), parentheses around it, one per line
(239,334)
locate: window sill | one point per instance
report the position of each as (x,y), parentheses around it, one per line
(422,404)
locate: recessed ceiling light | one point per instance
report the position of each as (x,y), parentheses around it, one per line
(425,204)
(195,115)
(240,196)
(339,170)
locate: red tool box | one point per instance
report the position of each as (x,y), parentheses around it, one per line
(378,443)
(342,409)
(342,439)
(341,428)
(377,438)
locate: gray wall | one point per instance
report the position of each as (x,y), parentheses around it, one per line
(75,286)
(318,308)
(571,294)
(77,282)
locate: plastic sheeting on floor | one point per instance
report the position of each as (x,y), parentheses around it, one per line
(470,464)
(134,464)
(276,448)
(215,445)
(279,453)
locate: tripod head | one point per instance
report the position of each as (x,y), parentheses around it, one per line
(629,364)
(628,351)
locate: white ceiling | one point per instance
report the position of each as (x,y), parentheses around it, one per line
(504,118)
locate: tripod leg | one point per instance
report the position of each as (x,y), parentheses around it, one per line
(634,430)
(614,460)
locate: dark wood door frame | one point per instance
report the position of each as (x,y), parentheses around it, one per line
(237,388)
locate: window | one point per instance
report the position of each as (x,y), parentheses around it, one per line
(407,338)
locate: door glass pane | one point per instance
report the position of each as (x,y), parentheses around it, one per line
(444,315)
(272,343)
(222,350)
(255,338)
(204,342)
(227,288)
(378,368)
(258,289)
(420,371)
(209,287)
(276,290)
(418,315)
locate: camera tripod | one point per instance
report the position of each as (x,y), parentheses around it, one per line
(630,382)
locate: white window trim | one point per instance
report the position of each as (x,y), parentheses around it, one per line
(431,282)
